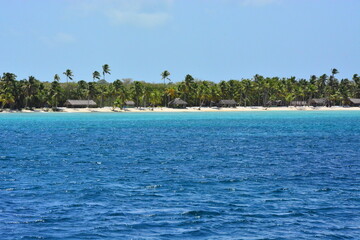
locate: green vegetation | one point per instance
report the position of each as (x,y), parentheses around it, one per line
(258,91)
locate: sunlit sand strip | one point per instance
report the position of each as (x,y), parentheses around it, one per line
(189,109)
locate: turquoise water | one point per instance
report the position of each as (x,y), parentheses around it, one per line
(258,175)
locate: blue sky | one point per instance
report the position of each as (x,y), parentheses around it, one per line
(209,39)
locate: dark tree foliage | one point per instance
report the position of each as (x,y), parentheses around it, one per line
(258,91)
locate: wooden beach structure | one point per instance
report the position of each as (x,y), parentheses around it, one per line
(298,103)
(79,103)
(227,103)
(129,104)
(354,102)
(177,103)
(318,102)
(275,103)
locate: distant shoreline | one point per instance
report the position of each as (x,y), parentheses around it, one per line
(189,109)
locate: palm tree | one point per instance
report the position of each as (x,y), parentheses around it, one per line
(118,103)
(82,89)
(120,91)
(312,79)
(258,87)
(224,87)
(41,97)
(56,77)
(6,98)
(321,84)
(138,92)
(30,87)
(69,74)
(55,92)
(188,86)
(118,84)
(247,87)
(12,89)
(344,90)
(155,98)
(102,91)
(96,75)
(93,90)
(106,70)
(289,97)
(334,71)
(214,94)
(203,93)
(171,92)
(165,75)
(356,80)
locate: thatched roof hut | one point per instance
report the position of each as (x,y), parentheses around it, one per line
(227,103)
(178,103)
(129,103)
(275,103)
(318,102)
(298,103)
(80,103)
(354,101)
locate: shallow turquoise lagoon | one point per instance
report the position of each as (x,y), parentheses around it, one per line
(241,175)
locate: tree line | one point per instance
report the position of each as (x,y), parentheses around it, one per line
(259,91)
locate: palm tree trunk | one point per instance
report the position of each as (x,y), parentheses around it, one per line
(67,86)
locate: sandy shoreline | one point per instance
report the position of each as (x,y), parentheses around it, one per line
(189,109)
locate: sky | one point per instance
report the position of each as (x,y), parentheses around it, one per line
(210,39)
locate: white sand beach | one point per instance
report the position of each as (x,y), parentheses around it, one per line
(189,109)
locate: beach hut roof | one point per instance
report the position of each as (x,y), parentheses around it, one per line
(298,102)
(177,101)
(355,100)
(228,102)
(129,103)
(80,102)
(319,100)
(274,101)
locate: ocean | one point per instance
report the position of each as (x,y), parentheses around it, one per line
(226,175)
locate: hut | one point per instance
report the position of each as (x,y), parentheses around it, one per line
(227,103)
(298,103)
(315,102)
(354,102)
(129,104)
(177,103)
(79,103)
(274,103)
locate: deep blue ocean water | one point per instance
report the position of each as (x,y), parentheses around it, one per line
(243,175)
